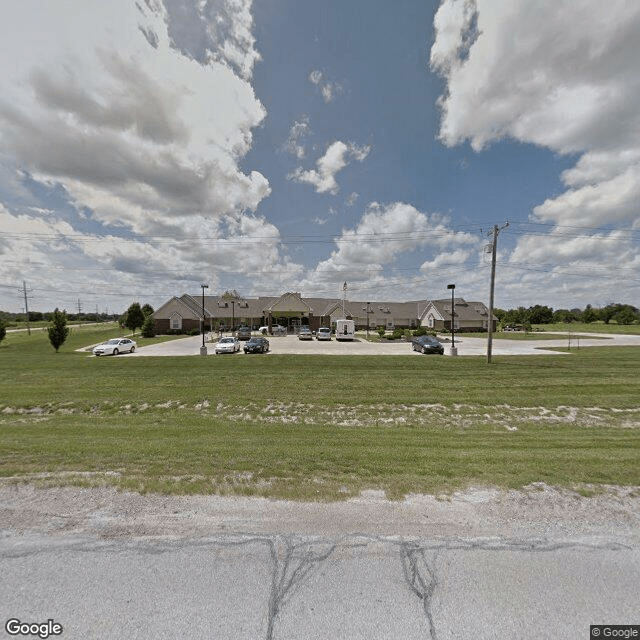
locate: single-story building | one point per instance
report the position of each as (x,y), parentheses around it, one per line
(230,310)
(467,316)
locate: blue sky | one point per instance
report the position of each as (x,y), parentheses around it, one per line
(146,148)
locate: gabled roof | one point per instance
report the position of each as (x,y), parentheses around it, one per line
(288,302)
(180,306)
(464,311)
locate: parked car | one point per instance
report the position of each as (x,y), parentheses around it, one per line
(305,334)
(256,344)
(276,329)
(227,345)
(323,333)
(243,333)
(114,347)
(427,344)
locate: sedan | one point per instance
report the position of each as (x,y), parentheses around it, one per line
(114,347)
(323,333)
(227,345)
(257,344)
(427,344)
(243,333)
(305,334)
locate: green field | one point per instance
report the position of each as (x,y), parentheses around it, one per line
(316,427)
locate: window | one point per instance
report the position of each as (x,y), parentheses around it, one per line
(176,321)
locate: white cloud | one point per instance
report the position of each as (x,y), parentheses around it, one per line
(134,128)
(328,89)
(214,31)
(300,129)
(336,158)
(549,72)
(382,236)
(560,75)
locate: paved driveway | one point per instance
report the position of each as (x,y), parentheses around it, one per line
(466,346)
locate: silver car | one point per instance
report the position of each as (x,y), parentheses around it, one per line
(305,334)
(323,333)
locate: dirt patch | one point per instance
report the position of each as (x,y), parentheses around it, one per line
(460,415)
(538,511)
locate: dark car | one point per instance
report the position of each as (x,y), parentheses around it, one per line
(243,333)
(427,344)
(256,344)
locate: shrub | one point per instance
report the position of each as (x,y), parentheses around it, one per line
(148,328)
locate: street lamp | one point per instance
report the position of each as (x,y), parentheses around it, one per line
(368,310)
(454,351)
(233,315)
(203,348)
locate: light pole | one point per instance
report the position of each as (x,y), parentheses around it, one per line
(203,348)
(233,315)
(368,310)
(454,351)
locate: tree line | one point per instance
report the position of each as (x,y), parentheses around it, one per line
(541,314)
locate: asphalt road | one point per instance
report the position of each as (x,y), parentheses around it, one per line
(483,565)
(465,346)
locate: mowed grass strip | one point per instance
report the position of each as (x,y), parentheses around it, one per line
(198,454)
(182,425)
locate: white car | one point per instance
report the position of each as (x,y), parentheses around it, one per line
(323,333)
(227,345)
(114,347)
(275,329)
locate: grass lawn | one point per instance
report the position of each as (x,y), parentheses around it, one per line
(315,427)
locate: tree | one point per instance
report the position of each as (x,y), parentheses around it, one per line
(626,316)
(134,317)
(589,314)
(3,329)
(58,331)
(149,328)
(564,315)
(539,314)
(147,309)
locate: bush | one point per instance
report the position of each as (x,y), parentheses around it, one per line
(420,331)
(149,328)
(194,332)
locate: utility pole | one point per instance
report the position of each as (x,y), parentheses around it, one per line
(344,295)
(26,305)
(495,231)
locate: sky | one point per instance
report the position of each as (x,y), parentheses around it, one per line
(148,147)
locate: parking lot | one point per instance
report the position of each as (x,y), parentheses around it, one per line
(465,346)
